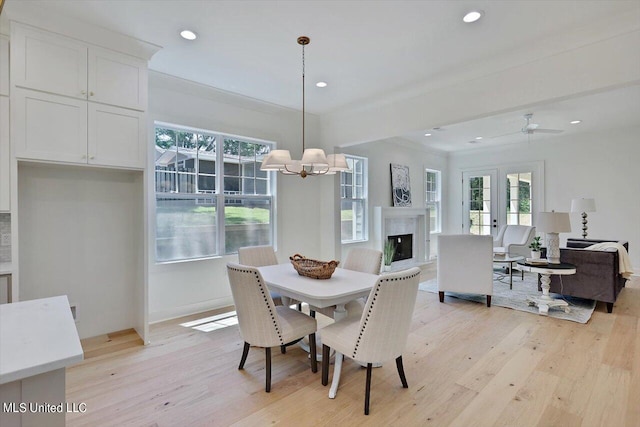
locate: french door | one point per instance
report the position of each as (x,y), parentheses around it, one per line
(480,202)
(508,194)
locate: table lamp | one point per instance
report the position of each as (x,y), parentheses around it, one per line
(553,223)
(583,206)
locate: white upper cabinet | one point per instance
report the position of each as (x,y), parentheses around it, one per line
(117,79)
(61,65)
(5,172)
(4,65)
(49,127)
(48,62)
(113,133)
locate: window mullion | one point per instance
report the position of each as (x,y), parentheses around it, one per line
(220,199)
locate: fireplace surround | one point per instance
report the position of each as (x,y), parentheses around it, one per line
(402,221)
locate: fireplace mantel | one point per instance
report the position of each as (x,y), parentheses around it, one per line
(391,221)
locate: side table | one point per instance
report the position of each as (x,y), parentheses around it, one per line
(545,302)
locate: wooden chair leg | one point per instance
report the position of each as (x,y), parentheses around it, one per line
(401,372)
(325,364)
(609,307)
(312,351)
(367,389)
(488,300)
(283,349)
(245,352)
(441,295)
(267,354)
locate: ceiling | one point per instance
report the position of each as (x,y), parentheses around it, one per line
(367,51)
(615,109)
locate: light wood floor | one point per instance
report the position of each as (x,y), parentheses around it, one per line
(466,366)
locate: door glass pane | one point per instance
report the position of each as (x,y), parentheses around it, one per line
(480,205)
(519,198)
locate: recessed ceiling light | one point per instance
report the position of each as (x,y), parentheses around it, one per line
(321,84)
(472,16)
(427,134)
(188,35)
(575,122)
(478,138)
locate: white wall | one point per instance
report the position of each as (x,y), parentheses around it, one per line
(181,288)
(396,150)
(81,234)
(603,166)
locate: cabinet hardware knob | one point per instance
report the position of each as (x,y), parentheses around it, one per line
(91,93)
(84,92)
(92,157)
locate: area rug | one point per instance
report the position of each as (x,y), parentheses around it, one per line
(516,298)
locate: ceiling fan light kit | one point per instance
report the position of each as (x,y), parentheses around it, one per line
(314,162)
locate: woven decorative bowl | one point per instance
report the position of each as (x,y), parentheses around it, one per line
(313,268)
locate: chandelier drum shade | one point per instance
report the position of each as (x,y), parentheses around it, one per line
(314,162)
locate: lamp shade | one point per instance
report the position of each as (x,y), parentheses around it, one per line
(583,205)
(337,163)
(315,157)
(275,160)
(553,222)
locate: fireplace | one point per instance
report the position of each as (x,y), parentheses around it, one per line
(408,229)
(404,246)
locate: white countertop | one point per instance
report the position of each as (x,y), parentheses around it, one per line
(5,268)
(37,336)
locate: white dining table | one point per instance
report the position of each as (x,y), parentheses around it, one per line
(343,286)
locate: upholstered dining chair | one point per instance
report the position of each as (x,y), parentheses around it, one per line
(260,256)
(364,260)
(380,334)
(465,265)
(262,323)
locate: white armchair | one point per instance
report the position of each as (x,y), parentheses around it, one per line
(514,240)
(465,265)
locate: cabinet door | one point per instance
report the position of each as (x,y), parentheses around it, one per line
(4,65)
(49,127)
(116,137)
(5,163)
(48,62)
(117,79)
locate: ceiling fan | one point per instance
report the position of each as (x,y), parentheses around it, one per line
(531,128)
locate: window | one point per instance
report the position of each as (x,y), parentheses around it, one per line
(519,198)
(211,196)
(432,198)
(353,200)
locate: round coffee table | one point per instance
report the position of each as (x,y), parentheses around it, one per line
(545,302)
(507,259)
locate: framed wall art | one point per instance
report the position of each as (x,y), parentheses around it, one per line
(400,185)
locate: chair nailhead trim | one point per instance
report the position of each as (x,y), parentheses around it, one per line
(266,300)
(373,300)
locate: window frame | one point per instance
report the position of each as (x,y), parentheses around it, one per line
(364,200)
(218,195)
(437,204)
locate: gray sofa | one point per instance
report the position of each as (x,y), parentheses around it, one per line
(597,272)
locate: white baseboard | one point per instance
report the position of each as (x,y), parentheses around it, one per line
(186,310)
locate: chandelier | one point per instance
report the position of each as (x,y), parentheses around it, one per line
(314,162)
